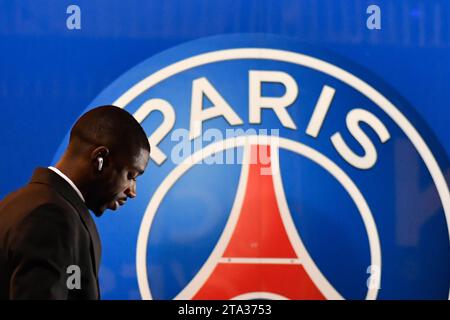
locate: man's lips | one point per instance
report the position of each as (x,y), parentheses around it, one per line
(114,205)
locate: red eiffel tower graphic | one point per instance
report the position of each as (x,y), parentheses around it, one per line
(259,259)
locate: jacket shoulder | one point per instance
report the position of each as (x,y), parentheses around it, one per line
(30,199)
(32,196)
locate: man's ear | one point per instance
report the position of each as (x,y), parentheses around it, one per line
(99,157)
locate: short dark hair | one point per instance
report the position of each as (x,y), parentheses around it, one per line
(110,126)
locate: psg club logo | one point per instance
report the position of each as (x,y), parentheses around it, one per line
(278,172)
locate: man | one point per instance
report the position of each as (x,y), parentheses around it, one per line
(47,235)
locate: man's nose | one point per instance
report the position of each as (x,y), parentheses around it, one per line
(131,191)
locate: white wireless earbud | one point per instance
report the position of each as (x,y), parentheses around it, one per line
(100,163)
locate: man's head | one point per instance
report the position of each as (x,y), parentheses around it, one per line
(107,150)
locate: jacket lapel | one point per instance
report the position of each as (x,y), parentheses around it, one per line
(47,176)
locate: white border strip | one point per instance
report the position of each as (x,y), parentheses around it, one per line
(258,295)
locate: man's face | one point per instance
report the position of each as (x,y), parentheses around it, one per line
(118,181)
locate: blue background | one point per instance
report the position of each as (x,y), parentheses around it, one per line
(49,74)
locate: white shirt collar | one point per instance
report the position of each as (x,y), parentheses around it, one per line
(62,175)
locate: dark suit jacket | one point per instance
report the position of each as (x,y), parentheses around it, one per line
(44,228)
